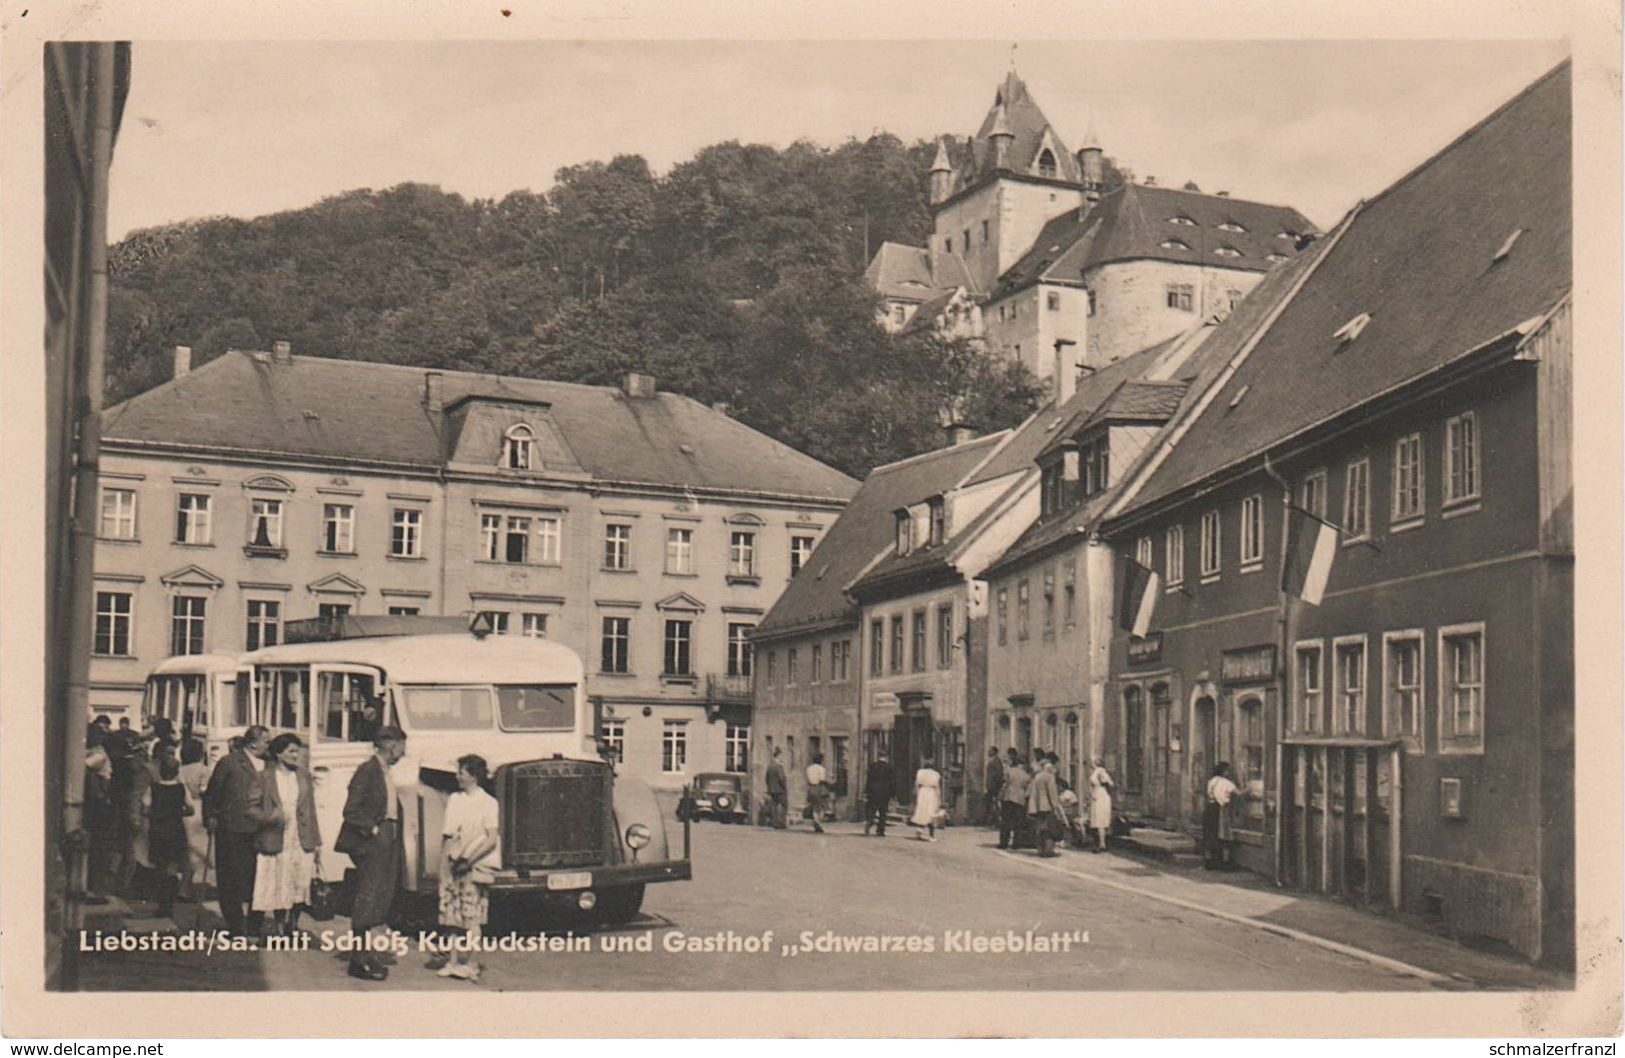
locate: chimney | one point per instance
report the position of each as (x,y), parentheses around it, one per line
(1066,370)
(433,397)
(638,385)
(959,434)
(281,353)
(183,360)
(1150,181)
(1223,194)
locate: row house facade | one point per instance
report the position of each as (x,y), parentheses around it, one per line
(646,531)
(1405,739)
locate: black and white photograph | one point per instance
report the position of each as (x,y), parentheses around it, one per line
(741,518)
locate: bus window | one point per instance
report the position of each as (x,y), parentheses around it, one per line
(348,706)
(240,705)
(549,707)
(446,708)
(287,706)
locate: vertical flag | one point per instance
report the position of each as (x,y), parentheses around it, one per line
(1311,546)
(1138,602)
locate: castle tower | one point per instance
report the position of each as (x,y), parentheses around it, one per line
(1092,163)
(942,176)
(1001,137)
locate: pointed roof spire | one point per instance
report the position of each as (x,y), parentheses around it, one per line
(941,165)
(1001,127)
(1091,138)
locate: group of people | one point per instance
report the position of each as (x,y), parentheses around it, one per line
(1031,799)
(880,788)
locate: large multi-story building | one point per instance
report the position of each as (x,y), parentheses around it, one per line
(1399,710)
(649,532)
(1030,246)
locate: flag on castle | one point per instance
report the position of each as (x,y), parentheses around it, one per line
(1311,544)
(1140,587)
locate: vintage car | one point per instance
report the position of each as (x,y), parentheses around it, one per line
(718,794)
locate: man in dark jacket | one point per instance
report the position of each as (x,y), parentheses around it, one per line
(1013,807)
(879,786)
(993,785)
(778,792)
(234,813)
(371,836)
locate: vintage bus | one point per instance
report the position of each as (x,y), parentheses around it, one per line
(197,694)
(571,832)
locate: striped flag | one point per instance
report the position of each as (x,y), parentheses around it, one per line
(1140,587)
(1311,544)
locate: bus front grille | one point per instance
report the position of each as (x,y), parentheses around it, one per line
(555,813)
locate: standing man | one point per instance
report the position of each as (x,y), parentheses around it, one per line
(778,791)
(1044,805)
(879,784)
(233,811)
(817,792)
(1013,806)
(993,785)
(371,836)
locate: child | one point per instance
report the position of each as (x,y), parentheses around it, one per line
(167,808)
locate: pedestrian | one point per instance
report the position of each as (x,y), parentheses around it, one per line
(1217,836)
(167,806)
(1013,802)
(778,791)
(233,810)
(98,819)
(817,792)
(927,799)
(879,784)
(1044,806)
(194,776)
(287,847)
(469,844)
(1100,803)
(371,837)
(993,785)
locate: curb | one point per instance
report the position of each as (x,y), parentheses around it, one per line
(1371,957)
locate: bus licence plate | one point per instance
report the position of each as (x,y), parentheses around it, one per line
(578,880)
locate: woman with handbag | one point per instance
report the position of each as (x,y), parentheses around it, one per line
(468,857)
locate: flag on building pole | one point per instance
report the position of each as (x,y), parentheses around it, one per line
(1311,544)
(1140,587)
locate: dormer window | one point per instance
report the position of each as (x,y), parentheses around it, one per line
(1227,251)
(1351,330)
(1094,466)
(1046,163)
(905,533)
(1174,244)
(519,448)
(1182,220)
(939,522)
(1231,225)
(1275,258)
(1050,485)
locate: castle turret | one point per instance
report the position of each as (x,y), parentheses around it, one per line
(1001,136)
(1092,163)
(942,176)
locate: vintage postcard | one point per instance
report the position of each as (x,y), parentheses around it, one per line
(941,517)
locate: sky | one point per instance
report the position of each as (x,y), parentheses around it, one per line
(244,129)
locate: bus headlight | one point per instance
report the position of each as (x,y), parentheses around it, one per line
(638,836)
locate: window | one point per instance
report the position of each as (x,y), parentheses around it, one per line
(338,528)
(329,611)
(772,667)
(1231,225)
(549,538)
(1461,458)
(984,232)
(736,749)
(679,634)
(1461,689)
(1021,610)
(905,533)
(739,652)
(1069,576)
(192,519)
(404,611)
(533,625)
(264,623)
(1052,300)
(840,659)
(1174,554)
(673,746)
(113,609)
(1251,730)
(519,448)
(877,647)
(899,314)
(897,644)
(680,551)
(1408,477)
(1050,482)
(1094,466)
(406,533)
(742,555)
(117,515)
(1357,500)
(817,674)
(1181,296)
(1049,603)
(1174,244)
(497,620)
(945,635)
(801,549)
(1210,544)
(1046,163)
(265,523)
(1312,493)
(1142,553)
(948,245)
(186,624)
(919,641)
(792,666)
(1183,221)
(1309,699)
(617,546)
(615,643)
(1227,251)
(1349,657)
(1004,616)
(939,522)
(1252,531)
(964,240)
(1402,687)
(613,735)
(1091,302)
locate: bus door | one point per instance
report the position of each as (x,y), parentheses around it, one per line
(348,706)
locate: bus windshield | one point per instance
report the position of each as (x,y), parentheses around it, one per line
(446,708)
(537,707)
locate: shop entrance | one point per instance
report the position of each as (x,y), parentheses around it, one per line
(1342,799)
(1204,752)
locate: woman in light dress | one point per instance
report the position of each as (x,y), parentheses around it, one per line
(287,846)
(468,856)
(927,800)
(195,777)
(1100,803)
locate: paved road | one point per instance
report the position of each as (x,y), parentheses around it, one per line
(796,885)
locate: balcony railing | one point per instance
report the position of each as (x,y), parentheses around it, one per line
(727,690)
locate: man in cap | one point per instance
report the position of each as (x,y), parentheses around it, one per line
(371,836)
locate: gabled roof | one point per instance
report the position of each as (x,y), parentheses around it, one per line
(358,411)
(1135,222)
(1420,260)
(900,271)
(816,596)
(1029,129)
